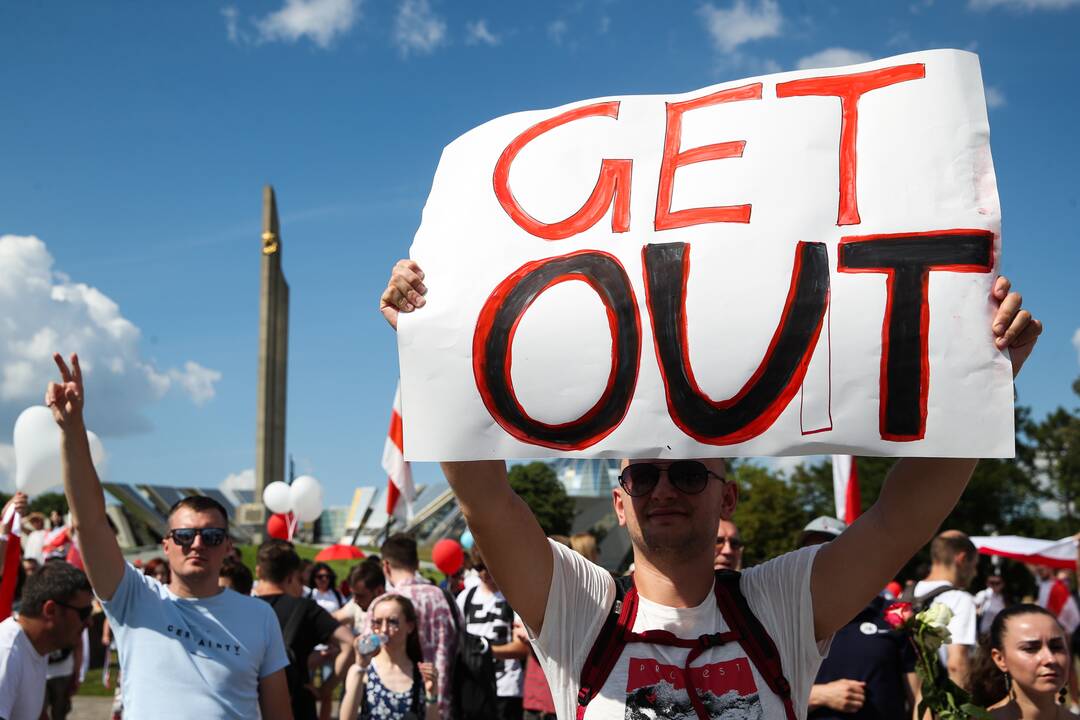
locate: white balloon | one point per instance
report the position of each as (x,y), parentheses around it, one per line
(276,497)
(98,455)
(37,451)
(307,500)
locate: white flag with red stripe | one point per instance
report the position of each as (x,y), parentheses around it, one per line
(400,491)
(846,488)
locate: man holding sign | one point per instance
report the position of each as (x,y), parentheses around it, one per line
(680,642)
(671,510)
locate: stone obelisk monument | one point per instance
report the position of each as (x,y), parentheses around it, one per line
(273,357)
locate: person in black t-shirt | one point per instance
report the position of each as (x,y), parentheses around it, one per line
(867,673)
(303,623)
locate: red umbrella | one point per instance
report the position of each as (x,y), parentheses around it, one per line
(339,552)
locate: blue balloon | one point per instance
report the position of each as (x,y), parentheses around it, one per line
(467,539)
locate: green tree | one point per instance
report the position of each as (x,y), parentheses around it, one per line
(770,513)
(537,485)
(44,503)
(1057,458)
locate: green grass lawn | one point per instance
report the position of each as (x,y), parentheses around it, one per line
(92,685)
(340,567)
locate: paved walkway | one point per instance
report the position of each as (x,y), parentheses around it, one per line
(85,707)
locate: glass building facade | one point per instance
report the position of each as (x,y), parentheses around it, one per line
(586,477)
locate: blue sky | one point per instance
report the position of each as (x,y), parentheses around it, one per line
(136,138)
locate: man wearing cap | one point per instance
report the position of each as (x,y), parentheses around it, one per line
(866,674)
(671,509)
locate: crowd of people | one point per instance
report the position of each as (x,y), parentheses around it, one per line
(688,633)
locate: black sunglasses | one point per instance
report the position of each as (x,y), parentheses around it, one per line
(185,537)
(734,542)
(688,477)
(84,611)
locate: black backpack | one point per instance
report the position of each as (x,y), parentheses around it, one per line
(473,673)
(920,603)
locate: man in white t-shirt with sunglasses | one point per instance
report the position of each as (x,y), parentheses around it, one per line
(189,649)
(671,509)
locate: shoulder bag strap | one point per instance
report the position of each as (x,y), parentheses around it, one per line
(752,636)
(609,642)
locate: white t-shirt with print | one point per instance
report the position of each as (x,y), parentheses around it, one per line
(963,628)
(22,674)
(648,678)
(486,618)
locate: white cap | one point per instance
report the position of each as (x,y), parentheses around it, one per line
(825,525)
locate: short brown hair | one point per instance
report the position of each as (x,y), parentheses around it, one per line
(948,544)
(400,551)
(200,504)
(277,560)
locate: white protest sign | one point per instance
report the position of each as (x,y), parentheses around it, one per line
(799,263)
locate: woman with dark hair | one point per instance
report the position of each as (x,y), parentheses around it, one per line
(391,681)
(322,588)
(1022,667)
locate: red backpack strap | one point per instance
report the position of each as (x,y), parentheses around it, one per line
(752,635)
(609,643)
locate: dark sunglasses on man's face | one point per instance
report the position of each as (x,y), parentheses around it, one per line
(84,611)
(734,542)
(687,476)
(185,537)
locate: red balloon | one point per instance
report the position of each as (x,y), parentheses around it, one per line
(277,526)
(448,556)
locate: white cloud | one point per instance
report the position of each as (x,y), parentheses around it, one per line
(318,20)
(243,480)
(833,57)
(43,311)
(196,380)
(477,33)
(417,28)
(741,23)
(1029,5)
(556,30)
(995,98)
(1076,344)
(232,22)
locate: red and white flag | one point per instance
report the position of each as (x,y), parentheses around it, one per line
(846,488)
(400,491)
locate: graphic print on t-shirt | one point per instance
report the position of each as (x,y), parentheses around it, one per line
(492,618)
(727,690)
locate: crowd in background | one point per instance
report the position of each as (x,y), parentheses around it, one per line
(462,635)
(386,641)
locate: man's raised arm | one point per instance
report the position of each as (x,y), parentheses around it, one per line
(515,549)
(100,551)
(916,497)
(514,546)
